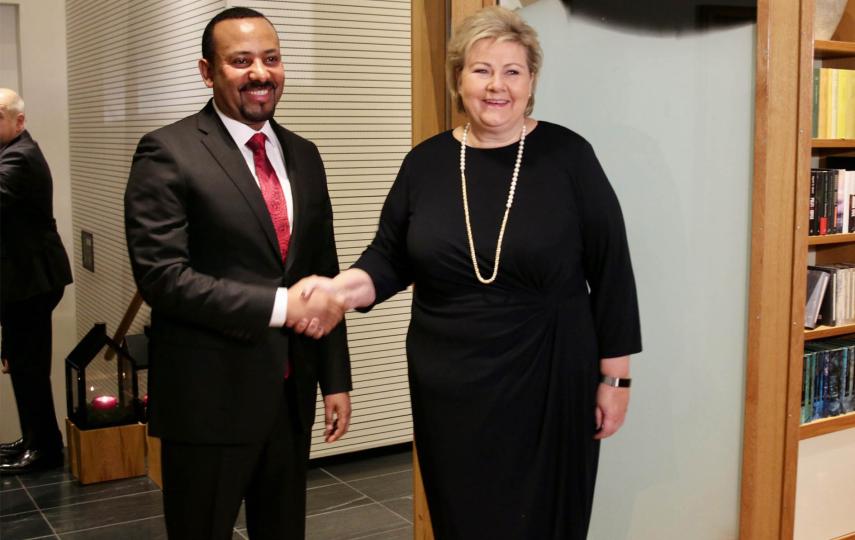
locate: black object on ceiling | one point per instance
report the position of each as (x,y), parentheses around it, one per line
(665,15)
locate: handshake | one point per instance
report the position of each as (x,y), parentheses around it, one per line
(316,304)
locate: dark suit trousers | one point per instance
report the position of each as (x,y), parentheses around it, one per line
(203,485)
(27,341)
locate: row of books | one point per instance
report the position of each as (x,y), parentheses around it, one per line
(833,103)
(830,297)
(832,201)
(828,378)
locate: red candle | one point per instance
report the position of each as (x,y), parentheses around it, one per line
(104,403)
(145,400)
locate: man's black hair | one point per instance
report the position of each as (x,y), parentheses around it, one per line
(231,13)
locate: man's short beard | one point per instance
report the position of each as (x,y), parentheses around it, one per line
(260,116)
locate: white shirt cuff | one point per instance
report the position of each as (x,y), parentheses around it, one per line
(280,308)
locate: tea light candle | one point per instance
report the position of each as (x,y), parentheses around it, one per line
(104,403)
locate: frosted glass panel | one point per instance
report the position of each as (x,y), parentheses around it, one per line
(669,112)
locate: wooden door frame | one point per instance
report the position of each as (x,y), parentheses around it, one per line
(778,247)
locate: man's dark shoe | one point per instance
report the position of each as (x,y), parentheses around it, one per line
(32,460)
(12,448)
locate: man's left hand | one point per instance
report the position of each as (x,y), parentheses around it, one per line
(336,416)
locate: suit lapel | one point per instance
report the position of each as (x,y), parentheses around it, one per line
(296,178)
(224,151)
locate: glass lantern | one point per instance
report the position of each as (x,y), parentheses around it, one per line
(136,346)
(101,382)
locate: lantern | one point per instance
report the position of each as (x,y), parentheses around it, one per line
(101,382)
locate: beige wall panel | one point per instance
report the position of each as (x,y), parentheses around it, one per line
(132,69)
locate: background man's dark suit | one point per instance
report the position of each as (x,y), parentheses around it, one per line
(34,272)
(205,258)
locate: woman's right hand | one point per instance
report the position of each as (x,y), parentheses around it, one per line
(354,286)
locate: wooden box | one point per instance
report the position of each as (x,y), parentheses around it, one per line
(111,453)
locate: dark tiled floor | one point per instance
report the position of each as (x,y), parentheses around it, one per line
(367,495)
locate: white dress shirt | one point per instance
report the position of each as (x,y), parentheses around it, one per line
(241,133)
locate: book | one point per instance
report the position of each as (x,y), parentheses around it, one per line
(822,128)
(815,105)
(832,399)
(813,228)
(828,385)
(833,107)
(850,105)
(821,203)
(839,197)
(845,108)
(833,79)
(828,307)
(817,282)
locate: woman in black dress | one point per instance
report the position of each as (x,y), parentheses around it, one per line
(524,308)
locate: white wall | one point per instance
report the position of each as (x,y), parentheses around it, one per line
(43,87)
(670,116)
(825,486)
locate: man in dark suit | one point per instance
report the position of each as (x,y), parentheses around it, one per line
(34,273)
(225,212)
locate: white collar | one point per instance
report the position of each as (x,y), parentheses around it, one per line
(240,132)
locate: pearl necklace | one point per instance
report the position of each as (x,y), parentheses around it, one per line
(508,205)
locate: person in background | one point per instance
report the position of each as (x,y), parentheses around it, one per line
(524,311)
(225,211)
(34,272)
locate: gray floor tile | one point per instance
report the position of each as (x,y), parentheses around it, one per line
(132,509)
(353,523)
(50,476)
(404,533)
(15,501)
(52,495)
(317,477)
(89,515)
(21,526)
(402,506)
(9,482)
(372,466)
(386,486)
(334,497)
(142,529)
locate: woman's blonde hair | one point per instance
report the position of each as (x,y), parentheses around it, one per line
(495,23)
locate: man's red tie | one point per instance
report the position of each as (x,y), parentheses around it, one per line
(271,189)
(274,197)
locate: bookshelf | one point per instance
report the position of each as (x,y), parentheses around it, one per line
(833,49)
(822,332)
(837,53)
(780,250)
(832,239)
(826,425)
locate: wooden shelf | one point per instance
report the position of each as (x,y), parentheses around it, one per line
(833,49)
(827,425)
(840,238)
(833,143)
(821,332)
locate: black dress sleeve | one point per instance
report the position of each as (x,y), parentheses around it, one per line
(386,259)
(606,260)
